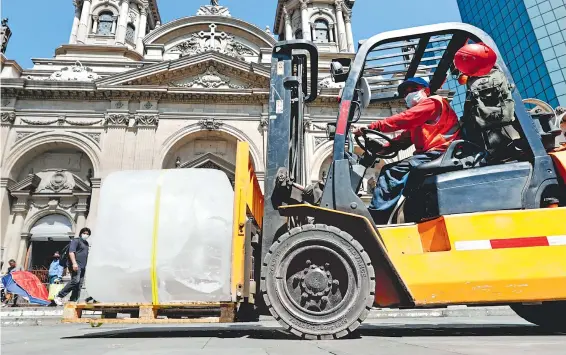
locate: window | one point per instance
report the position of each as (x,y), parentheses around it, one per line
(130,33)
(105,21)
(321,31)
(299,34)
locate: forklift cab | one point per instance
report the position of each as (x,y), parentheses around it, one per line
(459,181)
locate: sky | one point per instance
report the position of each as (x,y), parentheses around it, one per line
(40,26)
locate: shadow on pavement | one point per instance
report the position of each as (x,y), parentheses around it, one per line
(259,332)
(450,330)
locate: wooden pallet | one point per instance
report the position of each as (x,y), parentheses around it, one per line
(139,313)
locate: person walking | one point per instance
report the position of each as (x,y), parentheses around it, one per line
(55,269)
(11,297)
(78,257)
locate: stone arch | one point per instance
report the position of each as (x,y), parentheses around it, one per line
(25,150)
(32,221)
(241,28)
(185,133)
(320,154)
(105,6)
(325,15)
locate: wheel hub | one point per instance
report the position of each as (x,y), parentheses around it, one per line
(316,282)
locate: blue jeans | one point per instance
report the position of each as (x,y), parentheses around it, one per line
(391,183)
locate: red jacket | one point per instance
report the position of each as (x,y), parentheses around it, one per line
(430,125)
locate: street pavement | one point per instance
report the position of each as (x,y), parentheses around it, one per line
(495,335)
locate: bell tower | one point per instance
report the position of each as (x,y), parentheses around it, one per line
(114,23)
(328,23)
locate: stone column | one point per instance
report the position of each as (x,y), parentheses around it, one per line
(305,20)
(4,213)
(22,249)
(81,210)
(83,24)
(342,42)
(349,33)
(122,22)
(14,233)
(332,34)
(8,119)
(93,208)
(145,140)
(76,21)
(114,21)
(116,125)
(288,28)
(94,24)
(141,30)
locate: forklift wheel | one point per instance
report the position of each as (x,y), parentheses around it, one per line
(318,282)
(549,315)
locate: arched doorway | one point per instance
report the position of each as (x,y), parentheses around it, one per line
(49,234)
(50,178)
(204,150)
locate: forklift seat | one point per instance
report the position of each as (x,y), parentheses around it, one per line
(460,181)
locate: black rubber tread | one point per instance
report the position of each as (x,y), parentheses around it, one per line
(340,330)
(549,315)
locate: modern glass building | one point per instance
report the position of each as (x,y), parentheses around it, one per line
(531,36)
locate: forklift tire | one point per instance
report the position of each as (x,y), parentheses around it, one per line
(318,282)
(549,315)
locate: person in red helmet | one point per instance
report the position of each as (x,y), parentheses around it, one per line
(430,124)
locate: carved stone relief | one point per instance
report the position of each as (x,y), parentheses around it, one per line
(117,119)
(8,117)
(60,120)
(77,72)
(147,120)
(221,42)
(211,79)
(210,124)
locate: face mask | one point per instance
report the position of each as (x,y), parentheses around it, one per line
(85,236)
(414,98)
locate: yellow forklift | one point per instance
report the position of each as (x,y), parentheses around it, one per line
(467,233)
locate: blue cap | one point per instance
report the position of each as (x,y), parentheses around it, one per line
(411,82)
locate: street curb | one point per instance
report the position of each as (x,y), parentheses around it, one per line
(42,316)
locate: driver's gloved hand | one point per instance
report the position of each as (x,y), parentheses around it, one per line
(357,131)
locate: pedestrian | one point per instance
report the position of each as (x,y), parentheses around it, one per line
(55,269)
(76,262)
(11,297)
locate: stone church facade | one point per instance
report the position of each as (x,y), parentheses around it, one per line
(130,93)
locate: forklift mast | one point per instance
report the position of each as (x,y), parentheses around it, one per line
(290,88)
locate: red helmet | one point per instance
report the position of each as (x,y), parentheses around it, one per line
(475,59)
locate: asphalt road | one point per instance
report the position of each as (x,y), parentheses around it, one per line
(416,336)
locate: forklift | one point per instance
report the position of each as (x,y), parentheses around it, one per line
(466,233)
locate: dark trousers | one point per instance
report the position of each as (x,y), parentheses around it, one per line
(391,183)
(74,286)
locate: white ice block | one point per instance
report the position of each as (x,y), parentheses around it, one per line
(194,237)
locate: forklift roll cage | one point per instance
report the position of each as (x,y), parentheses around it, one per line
(286,115)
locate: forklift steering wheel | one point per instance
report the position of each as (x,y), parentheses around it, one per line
(370,144)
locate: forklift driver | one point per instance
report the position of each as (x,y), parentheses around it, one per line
(429,123)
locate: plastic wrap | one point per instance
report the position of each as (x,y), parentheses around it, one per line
(193,237)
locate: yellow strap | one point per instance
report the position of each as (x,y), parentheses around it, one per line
(154,293)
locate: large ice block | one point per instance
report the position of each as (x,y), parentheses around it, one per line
(193,237)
